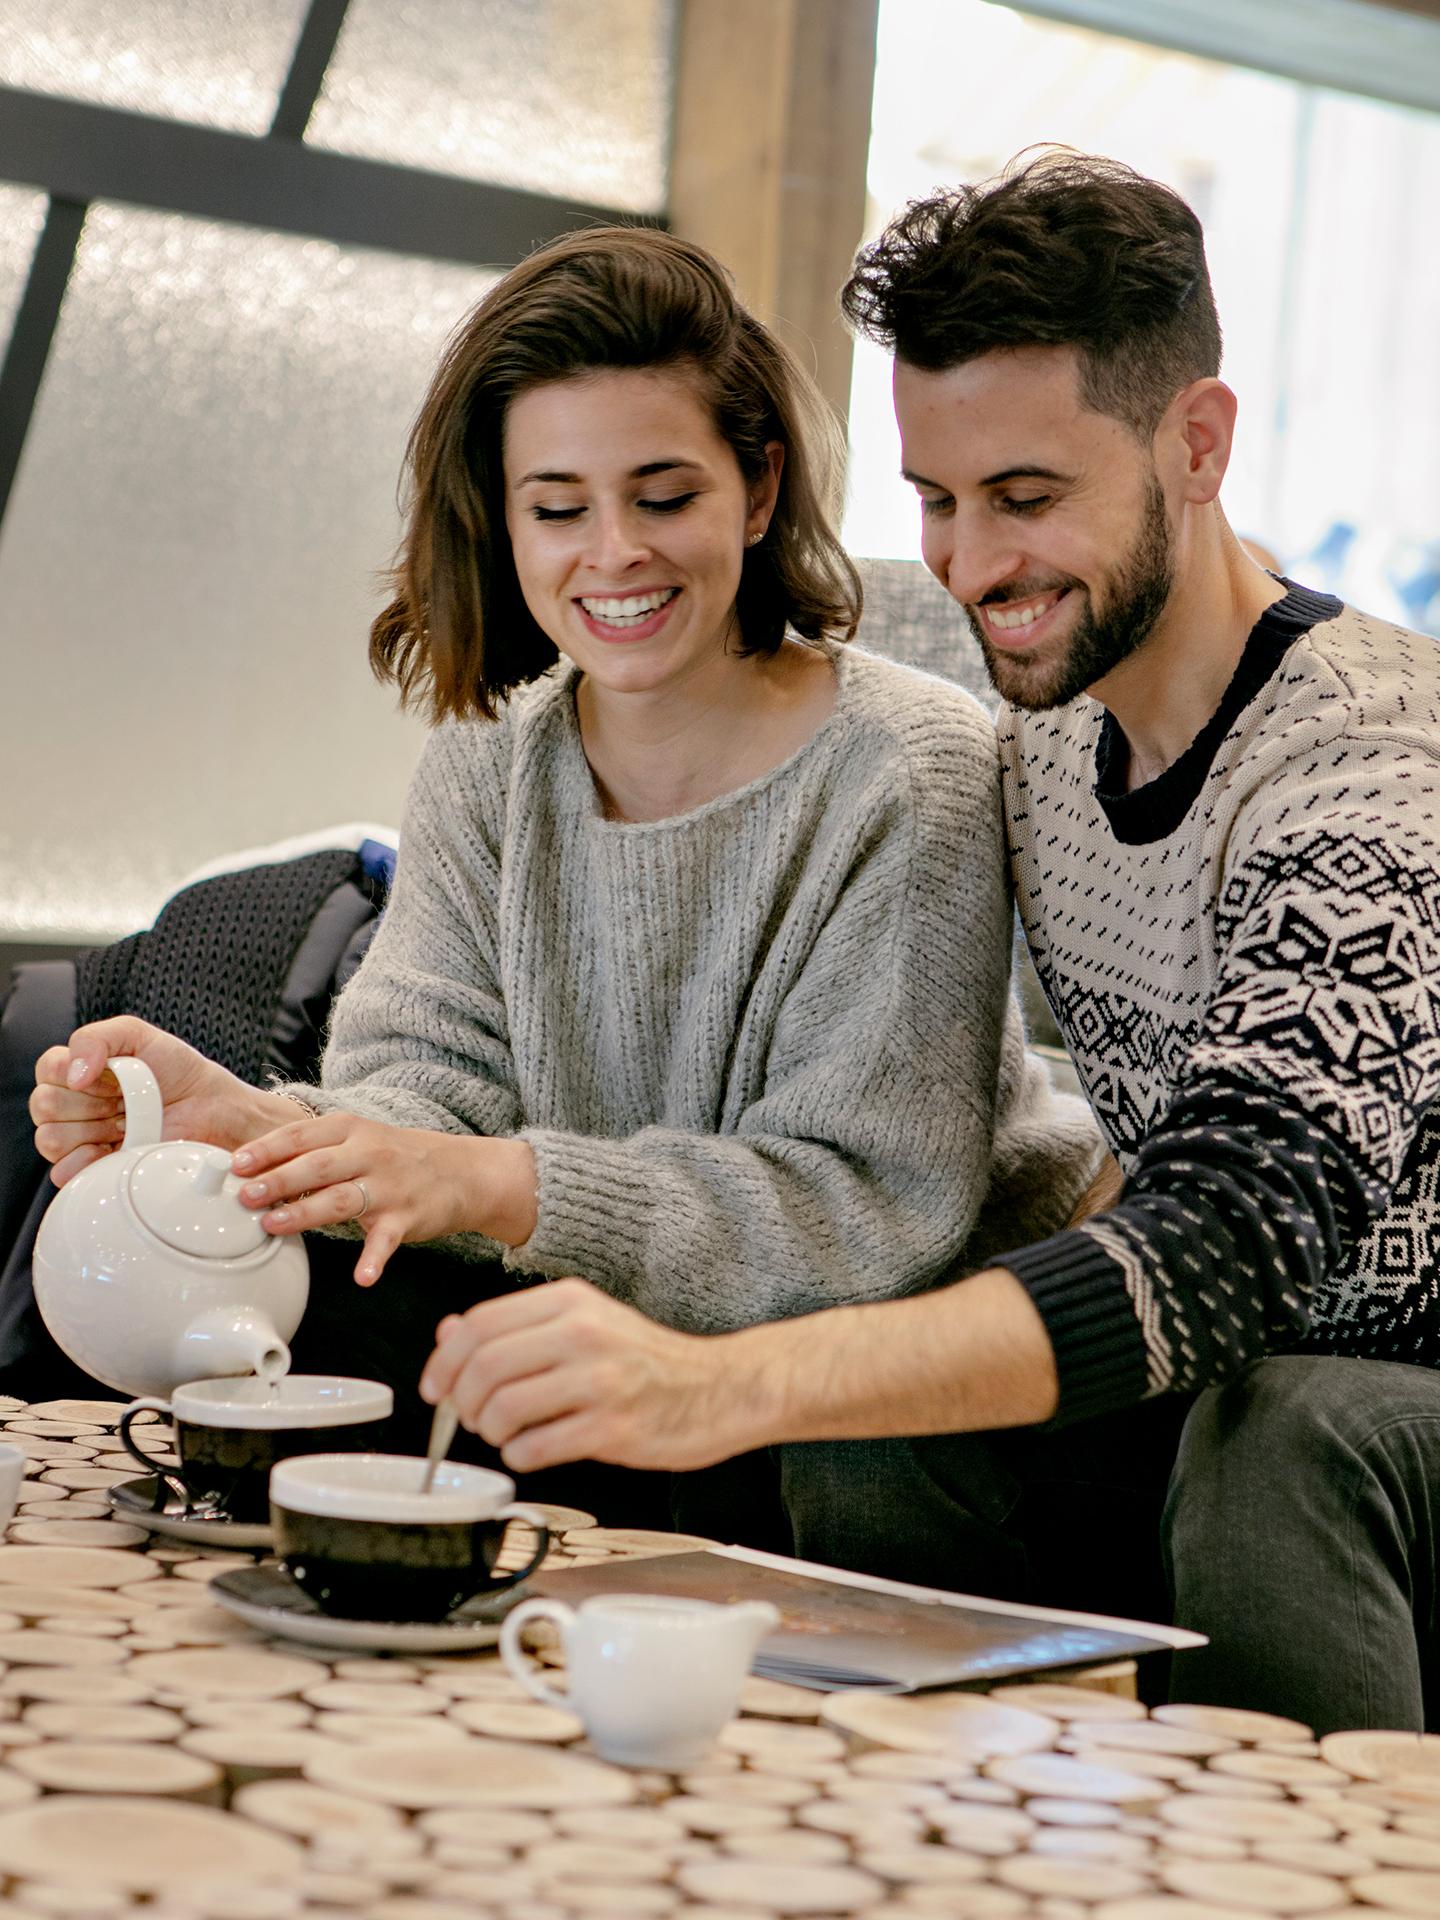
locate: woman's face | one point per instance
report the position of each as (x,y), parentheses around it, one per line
(628,517)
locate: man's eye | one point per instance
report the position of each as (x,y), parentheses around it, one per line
(1024,503)
(673,505)
(556,513)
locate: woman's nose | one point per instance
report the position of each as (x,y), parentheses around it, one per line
(617,541)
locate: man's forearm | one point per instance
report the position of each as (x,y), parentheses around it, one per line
(962,1359)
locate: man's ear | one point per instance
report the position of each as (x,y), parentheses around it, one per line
(1194,439)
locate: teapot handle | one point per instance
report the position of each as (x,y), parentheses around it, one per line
(144,1109)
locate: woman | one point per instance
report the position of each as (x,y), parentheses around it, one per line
(694,978)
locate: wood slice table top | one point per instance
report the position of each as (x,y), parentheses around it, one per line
(160,1756)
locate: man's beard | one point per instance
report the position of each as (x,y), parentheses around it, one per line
(1135,598)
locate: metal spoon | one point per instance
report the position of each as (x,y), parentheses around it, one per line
(442,1432)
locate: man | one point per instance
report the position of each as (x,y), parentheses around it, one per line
(1223,802)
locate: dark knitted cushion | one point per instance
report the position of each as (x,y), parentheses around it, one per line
(213,967)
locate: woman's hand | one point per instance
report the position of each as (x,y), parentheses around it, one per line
(79,1113)
(562,1372)
(399,1183)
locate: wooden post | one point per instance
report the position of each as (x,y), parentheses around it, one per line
(772,132)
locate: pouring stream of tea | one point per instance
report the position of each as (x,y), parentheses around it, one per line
(442,1432)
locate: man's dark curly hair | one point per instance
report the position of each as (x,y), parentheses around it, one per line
(1059,250)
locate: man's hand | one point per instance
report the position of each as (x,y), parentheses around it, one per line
(79,1114)
(401,1183)
(561,1372)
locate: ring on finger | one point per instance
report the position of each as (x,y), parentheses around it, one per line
(364,1200)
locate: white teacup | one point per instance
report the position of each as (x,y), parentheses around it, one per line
(653,1678)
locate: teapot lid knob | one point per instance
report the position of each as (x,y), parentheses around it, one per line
(211,1174)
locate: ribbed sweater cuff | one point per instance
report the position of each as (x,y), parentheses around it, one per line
(593,1202)
(1079,1292)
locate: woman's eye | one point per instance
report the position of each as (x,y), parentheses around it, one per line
(673,505)
(556,513)
(930,506)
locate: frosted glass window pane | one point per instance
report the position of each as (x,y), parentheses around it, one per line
(22,215)
(188,563)
(219,63)
(562,96)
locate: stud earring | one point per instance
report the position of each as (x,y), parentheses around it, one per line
(755,539)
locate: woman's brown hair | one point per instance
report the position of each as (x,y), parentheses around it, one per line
(457,637)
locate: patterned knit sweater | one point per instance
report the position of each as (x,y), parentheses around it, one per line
(1244,957)
(762,1051)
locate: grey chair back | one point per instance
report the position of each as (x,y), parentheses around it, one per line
(910,617)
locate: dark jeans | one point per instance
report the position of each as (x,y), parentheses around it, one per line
(1301,1535)
(1298,1529)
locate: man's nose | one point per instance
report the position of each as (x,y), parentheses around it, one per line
(971,559)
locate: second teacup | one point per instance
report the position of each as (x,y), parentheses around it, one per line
(229,1433)
(356,1533)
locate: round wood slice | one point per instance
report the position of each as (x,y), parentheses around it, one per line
(34,1646)
(1338,1859)
(200,1626)
(707,1815)
(1093,1843)
(965,1724)
(11,1623)
(365,1729)
(1167,1906)
(360,1696)
(67,1903)
(59,1720)
(1227,1783)
(974,1900)
(889,1763)
(756,1789)
(222,1901)
(295,1806)
(82,1476)
(74,1567)
(251,1753)
(1058,1777)
(1401,1850)
(45,1429)
(1232,1723)
(477,1680)
(15,1789)
(1207,1846)
(343,1890)
(46,1532)
(1399,1891)
(506,1827)
(230,1673)
(377,1669)
(52,1452)
(773,1700)
(563,1520)
(798,1846)
(634,1826)
(643,1540)
(1069,1703)
(1073,1813)
(83,1624)
(989,1831)
(1251,1883)
(95,1766)
(1285,1769)
(1236,1819)
(587,1896)
(893,1829)
(480,1772)
(986,1793)
(761,1740)
(1151,1736)
(555,1859)
(1407,1757)
(771,1887)
(204,1569)
(247,1713)
(100,1413)
(111,1687)
(1084,1880)
(922,1796)
(918,1865)
(1151,1766)
(141,1845)
(518,1720)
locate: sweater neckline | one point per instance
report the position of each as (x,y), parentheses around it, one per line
(1154,811)
(840,661)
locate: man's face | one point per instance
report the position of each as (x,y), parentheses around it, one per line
(1044,519)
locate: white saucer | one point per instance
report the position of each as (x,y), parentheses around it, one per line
(266,1597)
(135,1500)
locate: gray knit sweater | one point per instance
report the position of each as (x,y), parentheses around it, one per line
(763,1051)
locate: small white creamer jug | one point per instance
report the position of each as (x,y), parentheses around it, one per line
(653,1678)
(148,1270)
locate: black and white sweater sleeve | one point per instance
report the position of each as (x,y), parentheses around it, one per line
(1291,1118)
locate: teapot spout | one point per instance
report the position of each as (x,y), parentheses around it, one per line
(230,1340)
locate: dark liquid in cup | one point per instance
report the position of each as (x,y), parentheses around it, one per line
(387,1570)
(229,1467)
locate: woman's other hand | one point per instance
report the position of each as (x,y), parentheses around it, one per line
(79,1112)
(562,1372)
(400,1183)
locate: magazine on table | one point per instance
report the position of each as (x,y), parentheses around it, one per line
(847,1630)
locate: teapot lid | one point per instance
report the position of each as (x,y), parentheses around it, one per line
(187,1196)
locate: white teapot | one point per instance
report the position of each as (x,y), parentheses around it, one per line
(148,1270)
